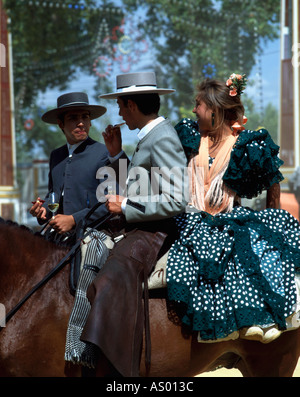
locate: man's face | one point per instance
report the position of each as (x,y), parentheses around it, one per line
(76,126)
(127,113)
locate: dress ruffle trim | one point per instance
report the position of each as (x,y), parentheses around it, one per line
(254,162)
(189,135)
(206,263)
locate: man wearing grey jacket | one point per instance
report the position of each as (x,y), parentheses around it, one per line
(154,193)
(158,160)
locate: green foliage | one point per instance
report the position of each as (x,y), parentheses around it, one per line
(267,120)
(36,134)
(50,44)
(195,39)
(190,40)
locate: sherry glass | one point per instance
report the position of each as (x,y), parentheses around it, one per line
(53,203)
(111,190)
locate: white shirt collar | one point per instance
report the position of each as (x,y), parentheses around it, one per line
(71,148)
(148,127)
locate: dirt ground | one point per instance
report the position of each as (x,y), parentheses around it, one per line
(235,373)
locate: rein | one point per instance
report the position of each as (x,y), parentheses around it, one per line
(60,265)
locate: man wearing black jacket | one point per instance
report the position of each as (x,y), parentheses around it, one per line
(73,167)
(73,177)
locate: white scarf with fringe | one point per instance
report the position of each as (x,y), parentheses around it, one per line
(207,191)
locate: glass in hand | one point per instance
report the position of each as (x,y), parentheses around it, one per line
(53,203)
(111,190)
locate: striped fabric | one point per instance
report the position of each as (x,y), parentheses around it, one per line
(94,253)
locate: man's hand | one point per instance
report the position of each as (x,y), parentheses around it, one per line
(113,140)
(113,203)
(62,223)
(37,210)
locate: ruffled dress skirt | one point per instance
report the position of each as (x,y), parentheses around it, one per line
(235,270)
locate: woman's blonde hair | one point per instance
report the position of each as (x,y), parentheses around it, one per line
(227,109)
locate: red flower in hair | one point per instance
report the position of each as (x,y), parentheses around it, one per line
(236,83)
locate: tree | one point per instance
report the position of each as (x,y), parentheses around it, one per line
(269,120)
(190,40)
(52,42)
(209,38)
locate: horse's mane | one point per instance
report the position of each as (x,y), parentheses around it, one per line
(26,257)
(15,224)
(21,233)
(22,248)
(59,242)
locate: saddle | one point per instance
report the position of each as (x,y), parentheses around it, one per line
(158,277)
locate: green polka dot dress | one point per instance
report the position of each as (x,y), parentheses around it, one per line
(237,269)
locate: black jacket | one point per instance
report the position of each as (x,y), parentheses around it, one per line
(74,178)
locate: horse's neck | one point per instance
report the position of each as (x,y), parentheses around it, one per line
(25,260)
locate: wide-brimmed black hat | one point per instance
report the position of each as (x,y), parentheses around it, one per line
(70,101)
(136,83)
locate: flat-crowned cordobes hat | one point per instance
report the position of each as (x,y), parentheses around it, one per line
(73,101)
(136,83)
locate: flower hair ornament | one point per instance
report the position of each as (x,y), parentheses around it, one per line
(236,83)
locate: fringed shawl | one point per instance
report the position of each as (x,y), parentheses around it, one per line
(207,190)
(253,166)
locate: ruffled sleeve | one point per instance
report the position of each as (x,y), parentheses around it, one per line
(254,164)
(189,135)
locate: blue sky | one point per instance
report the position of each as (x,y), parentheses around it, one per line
(270,74)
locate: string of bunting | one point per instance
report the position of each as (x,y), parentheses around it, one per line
(124,45)
(76,6)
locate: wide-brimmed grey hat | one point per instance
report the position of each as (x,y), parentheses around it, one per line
(71,101)
(136,83)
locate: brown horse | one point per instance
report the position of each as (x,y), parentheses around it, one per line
(32,343)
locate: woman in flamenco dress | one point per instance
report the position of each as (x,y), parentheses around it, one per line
(233,271)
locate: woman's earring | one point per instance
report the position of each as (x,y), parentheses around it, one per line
(212,119)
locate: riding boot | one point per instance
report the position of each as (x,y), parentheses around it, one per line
(116,319)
